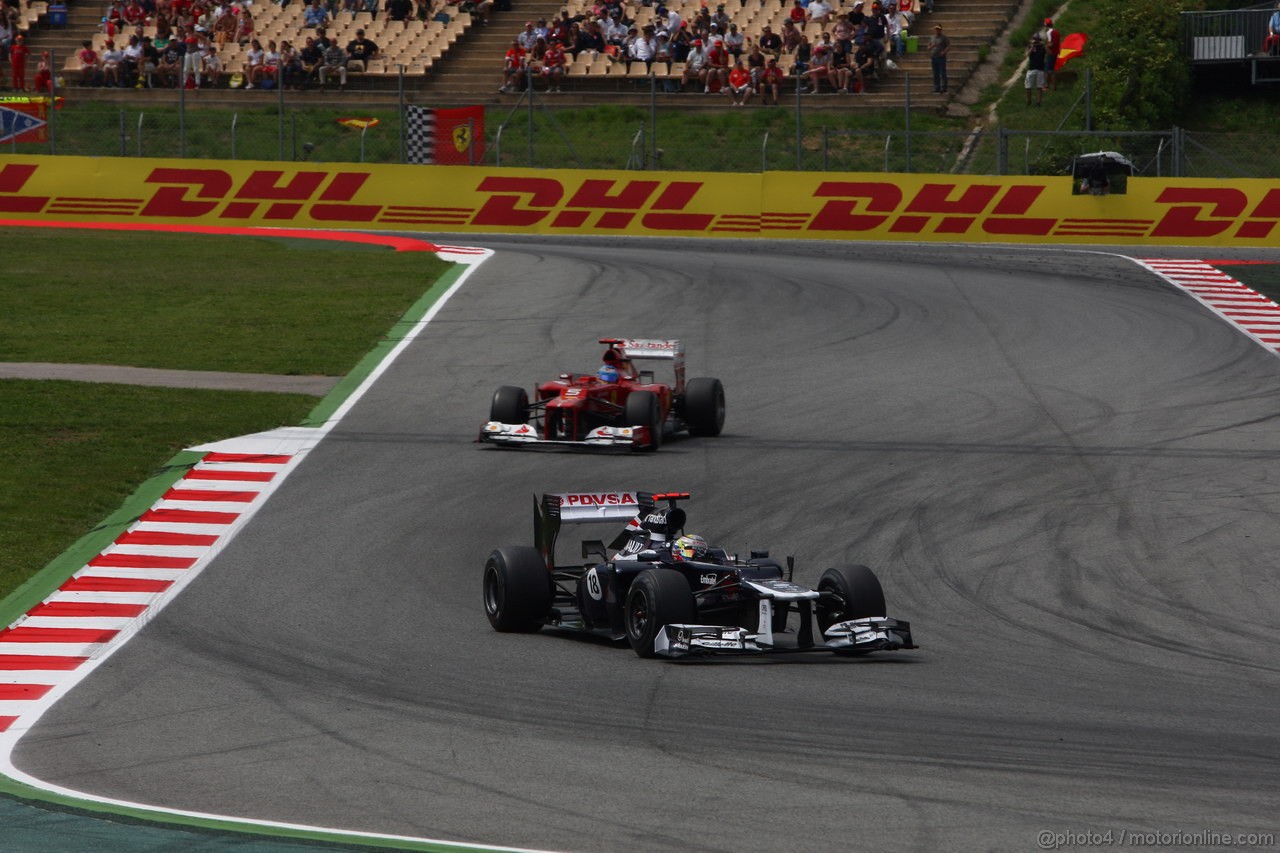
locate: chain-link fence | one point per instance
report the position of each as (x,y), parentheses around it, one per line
(537,132)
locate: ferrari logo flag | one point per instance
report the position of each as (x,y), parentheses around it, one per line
(1072,46)
(445,137)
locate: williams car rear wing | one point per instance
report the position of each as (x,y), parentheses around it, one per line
(646,521)
(582,507)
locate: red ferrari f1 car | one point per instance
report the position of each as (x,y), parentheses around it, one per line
(617,406)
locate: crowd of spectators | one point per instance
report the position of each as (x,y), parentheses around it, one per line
(171,43)
(817,47)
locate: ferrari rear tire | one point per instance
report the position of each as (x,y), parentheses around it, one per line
(854,592)
(657,597)
(644,409)
(510,405)
(517,590)
(704,406)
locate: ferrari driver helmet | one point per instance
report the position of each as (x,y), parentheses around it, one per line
(607,373)
(692,547)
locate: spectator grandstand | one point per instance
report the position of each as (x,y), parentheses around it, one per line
(459,61)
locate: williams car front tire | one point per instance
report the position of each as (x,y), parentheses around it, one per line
(657,597)
(849,592)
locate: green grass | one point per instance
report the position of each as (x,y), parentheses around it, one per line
(1264,278)
(195,302)
(74,451)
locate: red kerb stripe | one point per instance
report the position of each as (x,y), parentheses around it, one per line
(86,608)
(142,561)
(24,691)
(247,476)
(21,634)
(164,537)
(92,583)
(5,722)
(260,458)
(189,516)
(209,495)
(50,662)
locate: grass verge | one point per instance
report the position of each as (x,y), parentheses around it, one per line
(74,451)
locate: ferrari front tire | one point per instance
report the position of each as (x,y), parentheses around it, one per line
(517,590)
(643,409)
(704,406)
(657,597)
(510,405)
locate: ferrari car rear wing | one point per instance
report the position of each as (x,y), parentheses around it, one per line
(639,349)
(645,348)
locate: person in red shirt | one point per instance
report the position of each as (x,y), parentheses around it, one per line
(134,14)
(88,58)
(513,70)
(553,63)
(717,65)
(771,81)
(18,60)
(739,88)
(797,13)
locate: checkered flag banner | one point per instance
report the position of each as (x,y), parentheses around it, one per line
(444,137)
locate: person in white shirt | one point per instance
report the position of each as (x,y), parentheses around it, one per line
(132,58)
(211,66)
(819,11)
(669,20)
(527,38)
(641,48)
(694,64)
(112,65)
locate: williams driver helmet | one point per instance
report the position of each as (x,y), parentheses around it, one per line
(608,373)
(692,547)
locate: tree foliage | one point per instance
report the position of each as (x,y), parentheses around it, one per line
(1141,78)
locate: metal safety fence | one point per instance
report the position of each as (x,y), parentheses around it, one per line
(537,133)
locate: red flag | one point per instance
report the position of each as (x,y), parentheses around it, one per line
(1072,46)
(459,136)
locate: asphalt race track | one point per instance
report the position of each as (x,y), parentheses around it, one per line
(1066,472)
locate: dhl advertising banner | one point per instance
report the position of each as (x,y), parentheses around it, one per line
(463,199)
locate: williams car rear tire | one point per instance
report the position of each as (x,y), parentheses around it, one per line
(851,592)
(510,405)
(517,590)
(657,597)
(704,406)
(644,409)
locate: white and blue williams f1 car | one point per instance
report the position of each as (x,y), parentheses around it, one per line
(669,594)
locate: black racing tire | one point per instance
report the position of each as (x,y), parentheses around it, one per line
(643,409)
(510,405)
(855,593)
(657,597)
(517,590)
(704,406)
